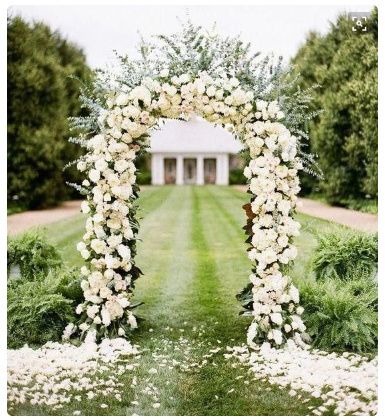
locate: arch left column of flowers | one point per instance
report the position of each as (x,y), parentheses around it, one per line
(109,244)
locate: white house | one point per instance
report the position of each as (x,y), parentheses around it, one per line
(191,152)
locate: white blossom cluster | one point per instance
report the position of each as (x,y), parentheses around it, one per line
(346,384)
(274,184)
(110,167)
(58,373)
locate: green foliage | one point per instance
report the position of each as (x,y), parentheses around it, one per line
(42,295)
(143,177)
(38,311)
(236,177)
(337,318)
(345,136)
(341,255)
(30,256)
(41,95)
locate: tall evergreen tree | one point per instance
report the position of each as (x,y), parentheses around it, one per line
(41,96)
(345,134)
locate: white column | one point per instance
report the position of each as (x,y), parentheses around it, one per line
(157,169)
(222,169)
(200,170)
(179,170)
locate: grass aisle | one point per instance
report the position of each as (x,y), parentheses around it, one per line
(194,262)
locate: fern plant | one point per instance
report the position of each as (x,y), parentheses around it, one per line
(337,318)
(341,255)
(30,256)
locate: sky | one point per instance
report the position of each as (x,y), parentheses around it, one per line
(100,30)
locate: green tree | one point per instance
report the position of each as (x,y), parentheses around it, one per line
(345,134)
(41,96)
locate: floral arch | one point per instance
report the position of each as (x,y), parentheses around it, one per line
(217,79)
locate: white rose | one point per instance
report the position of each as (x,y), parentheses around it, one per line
(84,271)
(81,246)
(94,175)
(101,165)
(287,328)
(141,93)
(164,72)
(277,337)
(121,165)
(124,251)
(82,166)
(106,318)
(84,327)
(98,246)
(122,99)
(85,207)
(276,317)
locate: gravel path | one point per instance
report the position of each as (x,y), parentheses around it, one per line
(354,219)
(366,222)
(20,222)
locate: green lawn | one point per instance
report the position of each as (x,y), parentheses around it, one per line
(194,262)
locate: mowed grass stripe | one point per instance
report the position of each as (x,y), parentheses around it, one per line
(164,256)
(222,269)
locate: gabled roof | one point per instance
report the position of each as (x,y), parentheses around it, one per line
(195,135)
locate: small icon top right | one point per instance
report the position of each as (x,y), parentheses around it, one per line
(359,20)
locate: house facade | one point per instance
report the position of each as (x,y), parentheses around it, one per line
(191,152)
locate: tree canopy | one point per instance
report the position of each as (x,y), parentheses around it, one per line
(42,94)
(345,135)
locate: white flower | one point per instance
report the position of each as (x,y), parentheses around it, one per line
(247,172)
(287,328)
(141,93)
(81,166)
(85,207)
(277,337)
(276,317)
(94,175)
(124,251)
(98,246)
(85,253)
(294,293)
(101,165)
(121,165)
(84,271)
(83,327)
(121,331)
(164,72)
(106,318)
(92,311)
(122,99)
(132,321)
(81,246)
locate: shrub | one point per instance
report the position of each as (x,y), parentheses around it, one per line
(38,311)
(236,177)
(343,254)
(143,177)
(42,295)
(339,319)
(30,256)
(41,96)
(345,136)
